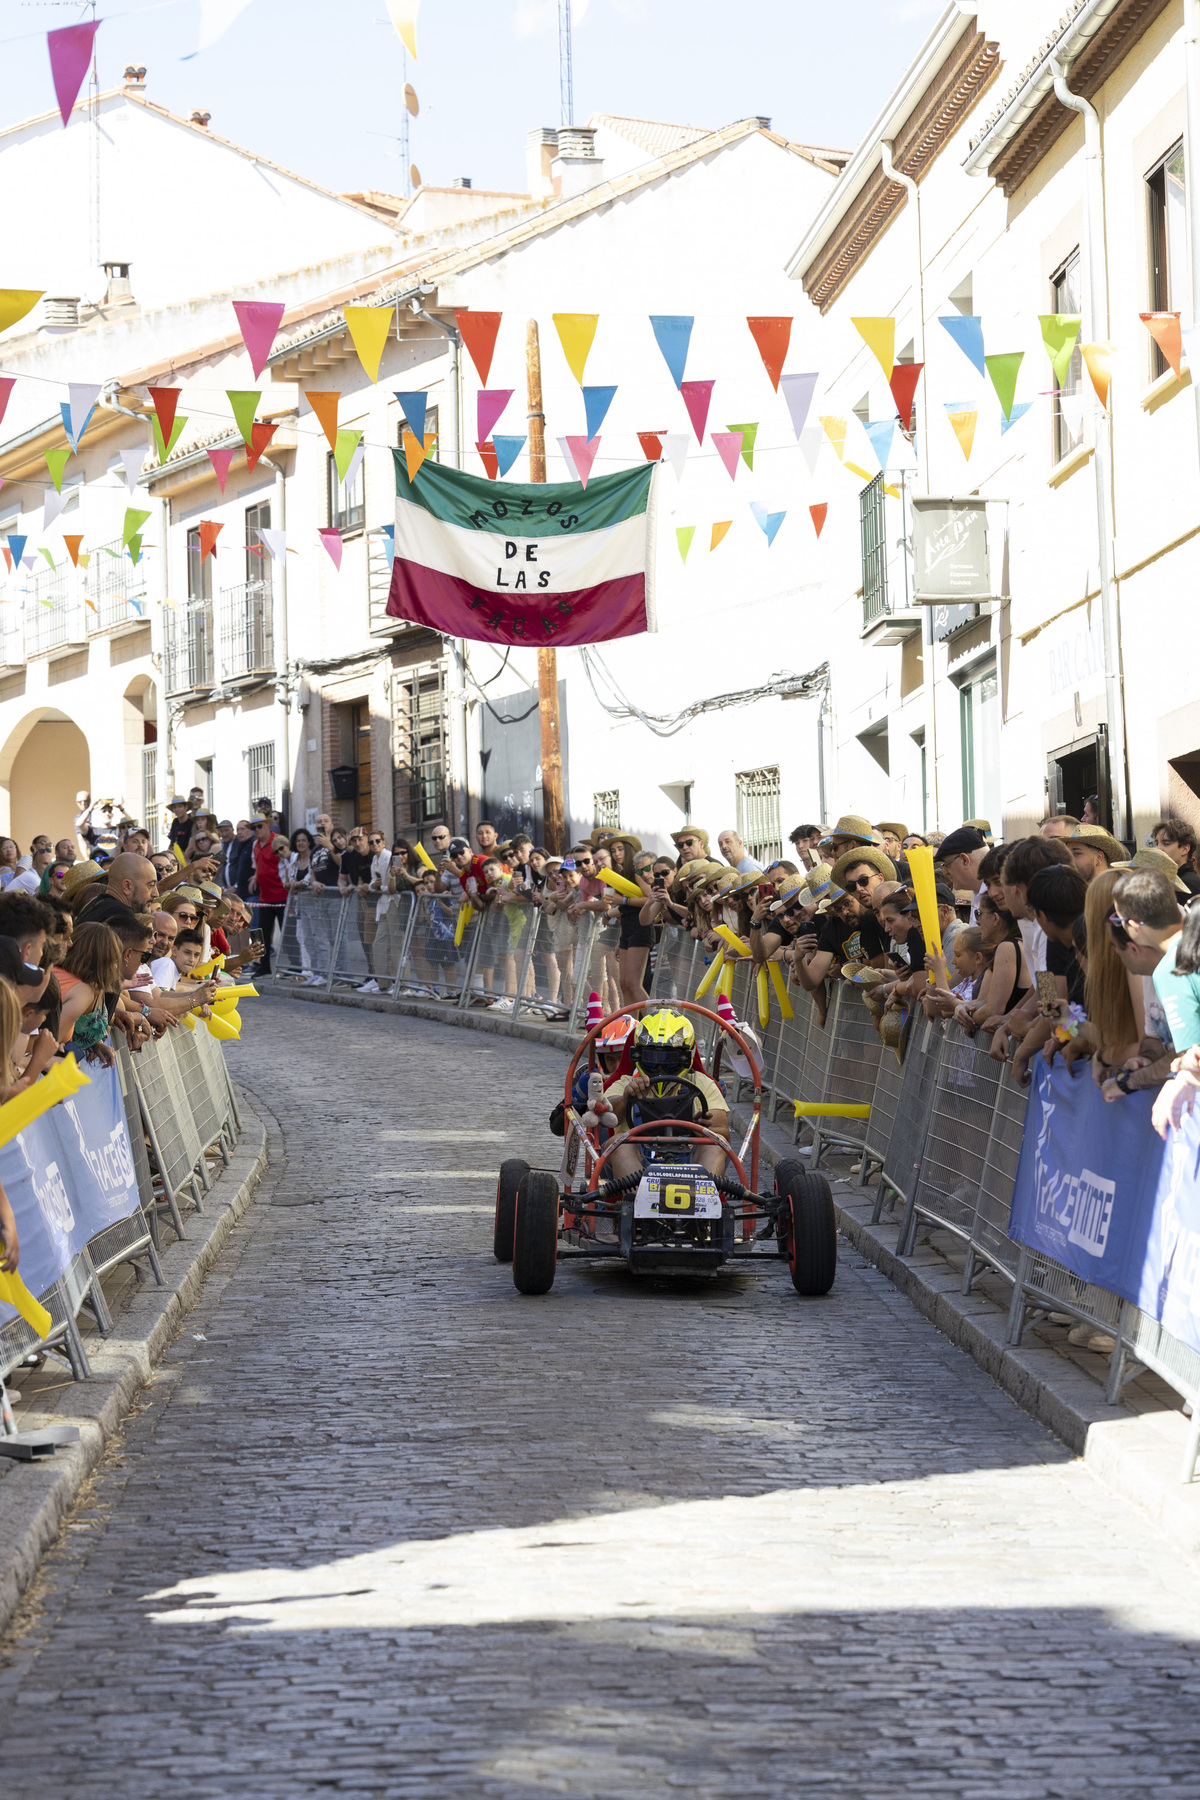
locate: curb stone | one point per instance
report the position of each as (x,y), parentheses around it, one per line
(1135,1454)
(36,1497)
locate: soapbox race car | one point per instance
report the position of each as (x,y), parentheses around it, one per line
(673,1215)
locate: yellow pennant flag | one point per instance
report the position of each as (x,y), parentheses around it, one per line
(368,327)
(415,453)
(13,1289)
(403,14)
(963,426)
(718,532)
(835,430)
(1098,360)
(575,333)
(15,303)
(879,335)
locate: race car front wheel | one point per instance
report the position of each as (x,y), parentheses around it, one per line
(807,1227)
(535,1234)
(512,1174)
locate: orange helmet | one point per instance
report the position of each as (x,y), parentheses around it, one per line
(615,1035)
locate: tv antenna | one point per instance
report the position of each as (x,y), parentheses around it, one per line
(566,98)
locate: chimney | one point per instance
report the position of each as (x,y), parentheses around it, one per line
(135,79)
(461,181)
(199,118)
(540,149)
(576,166)
(60,312)
(119,291)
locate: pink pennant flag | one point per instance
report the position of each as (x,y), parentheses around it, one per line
(7,382)
(331,537)
(583,455)
(696,396)
(729,448)
(220,460)
(258,321)
(70,52)
(489,404)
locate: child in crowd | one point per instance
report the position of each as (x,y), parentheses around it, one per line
(175,971)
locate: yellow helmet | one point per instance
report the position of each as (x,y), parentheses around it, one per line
(664,1043)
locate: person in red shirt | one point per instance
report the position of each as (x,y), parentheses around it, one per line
(272,895)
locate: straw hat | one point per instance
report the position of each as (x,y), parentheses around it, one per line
(792,887)
(1165,865)
(898,831)
(1099,839)
(818,881)
(983,825)
(851,825)
(690,831)
(633,844)
(80,872)
(878,859)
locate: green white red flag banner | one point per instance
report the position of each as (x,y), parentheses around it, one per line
(538,563)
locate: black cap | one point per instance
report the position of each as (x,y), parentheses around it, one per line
(965,839)
(458,845)
(945,895)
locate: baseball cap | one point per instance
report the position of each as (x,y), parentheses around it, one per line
(960,843)
(458,845)
(945,895)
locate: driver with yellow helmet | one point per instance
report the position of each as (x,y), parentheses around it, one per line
(664,1045)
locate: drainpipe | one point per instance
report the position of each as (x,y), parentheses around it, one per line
(1191,152)
(1096,303)
(921,480)
(279,633)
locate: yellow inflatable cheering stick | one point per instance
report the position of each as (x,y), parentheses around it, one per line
(714,969)
(461,926)
(61,1081)
(764,998)
(13,1289)
(920,862)
(780,986)
(731,938)
(623,886)
(425,857)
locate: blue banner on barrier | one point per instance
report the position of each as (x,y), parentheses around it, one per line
(69,1175)
(1086,1181)
(1170,1287)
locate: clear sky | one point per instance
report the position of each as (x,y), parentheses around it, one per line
(316,84)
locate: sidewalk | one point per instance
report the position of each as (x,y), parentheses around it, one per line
(35,1497)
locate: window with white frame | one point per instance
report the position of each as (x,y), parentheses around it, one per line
(260,767)
(758,820)
(606,810)
(1167,203)
(1068,413)
(347,506)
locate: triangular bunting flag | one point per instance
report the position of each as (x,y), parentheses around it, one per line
(164,450)
(507,451)
(260,436)
(817,514)
(389,544)
(1003,371)
(414,453)
(15,303)
(772,337)
(130,469)
(243,403)
(749,433)
(331,537)
(220,460)
(8,561)
(1098,361)
(583,455)
(596,402)
(568,456)
(576,332)
(16,547)
(134,520)
(356,460)
(368,327)
(42,551)
(275,540)
(769,521)
(1059,332)
(165,402)
(879,335)
(72,439)
(812,441)
(683,537)
(347,443)
(1071,407)
(676,445)
(7,383)
(881,433)
(728,445)
(967,331)
(73,542)
(903,383)
(134,547)
(652,444)
(52,504)
(1015,417)
(673,334)
(414,405)
(258,321)
(478,332)
(1164,329)
(798,391)
(963,417)
(70,53)
(403,14)
(834,428)
(210,530)
(81,405)
(489,404)
(56,462)
(696,397)
(324,403)
(718,532)
(491,462)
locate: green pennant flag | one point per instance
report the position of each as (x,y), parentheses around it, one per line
(1003,371)
(244,403)
(749,433)
(44,552)
(1059,332)
(347,444)
(134,521)
(135,547)
(683,537)
(164,450)
(56,462)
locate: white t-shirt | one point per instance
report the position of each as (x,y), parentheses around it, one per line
(1034,940)
(24,883)
(165,973)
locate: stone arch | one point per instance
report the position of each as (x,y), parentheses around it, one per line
(44,762)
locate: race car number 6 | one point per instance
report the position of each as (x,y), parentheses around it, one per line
(678,1196)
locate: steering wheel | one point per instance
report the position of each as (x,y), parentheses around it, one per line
(678,1082)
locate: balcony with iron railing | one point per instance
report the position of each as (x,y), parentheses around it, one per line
(247,645)
(211,642)
(888,617)
(188,646)
(115,588)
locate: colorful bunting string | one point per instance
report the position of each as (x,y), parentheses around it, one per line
(696,397)
(414,405)
(683,537)
(582,455)
(478,331)
(1003,370)
(903,383)
(596,402)
(243,403)
(331,537)
(1164,329)
(818,513)
(261,434)
(369,327)
(673,335)
(576,334)
(258,321)
(324,404)
(963,417)
(879,335)
(70,53)
(772,335)
(489,405)
(1098,361)
(507,451)
(652,444)
(728,445)
(56,462)
(718,532)
(210,531)
(967,331)
(220,460)
(1059,332)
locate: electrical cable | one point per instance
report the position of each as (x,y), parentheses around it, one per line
(797,686)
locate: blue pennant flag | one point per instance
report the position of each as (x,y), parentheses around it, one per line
(596,402)
(508,449)
(389,544)
(1018,412)
(16,548)
(881,432)
(414,408)
(65,410)
(673,332)
(769,521)
(967,331)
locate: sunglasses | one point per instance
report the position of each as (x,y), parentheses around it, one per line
(1117,925)
(861,881)
(185,915)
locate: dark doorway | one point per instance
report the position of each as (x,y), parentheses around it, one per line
(1078,771)
(360,725)
(510,787)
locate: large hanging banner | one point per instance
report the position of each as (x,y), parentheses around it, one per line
(551,563)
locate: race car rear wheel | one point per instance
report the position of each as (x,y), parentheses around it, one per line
(807,1227)
(512,1174)
(535,1235)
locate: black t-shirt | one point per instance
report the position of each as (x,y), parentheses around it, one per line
(106,909)
(356,866)
(1190,880)
(323,867)
(860,942)
(1062,960)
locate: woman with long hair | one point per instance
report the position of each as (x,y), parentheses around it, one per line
(1116,1028)
(1009,979)
(10,859)
(636,940)
(91,971)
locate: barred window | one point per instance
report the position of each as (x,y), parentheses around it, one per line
(150,791)
(606,809)
(419,723)
(758,813)
(872,524)
(260,766)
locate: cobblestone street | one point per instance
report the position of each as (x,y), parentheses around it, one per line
(380,1526)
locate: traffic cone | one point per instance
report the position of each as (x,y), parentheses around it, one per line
(595,1012)
(725,1011)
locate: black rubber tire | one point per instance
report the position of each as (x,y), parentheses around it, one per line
(512,1174)
(535,1235)
(807,1227)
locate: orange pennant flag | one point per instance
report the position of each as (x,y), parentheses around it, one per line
(772,335)
(260,436)
(718,532)
(1164,329)
(818,513)
(324,403)
(415,452)
(209,532)
(1098,360)
(73,544)
(368,327)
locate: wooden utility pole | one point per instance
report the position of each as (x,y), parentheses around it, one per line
(554,827)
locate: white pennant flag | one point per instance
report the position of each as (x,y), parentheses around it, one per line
(1071,406)
(675,448)
(82,396)
(130,469)
(811,440)
(568,458)
(52,504)
(276,541)
(354,465)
